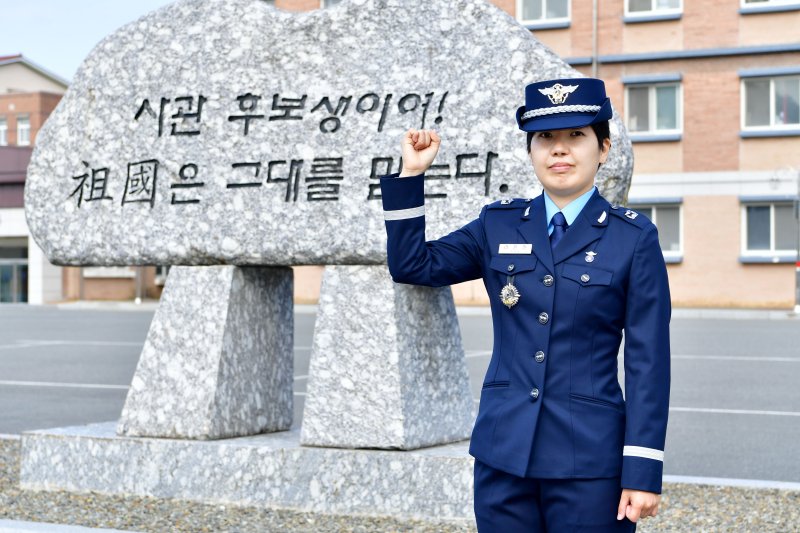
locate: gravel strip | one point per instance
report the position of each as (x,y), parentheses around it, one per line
(684,507)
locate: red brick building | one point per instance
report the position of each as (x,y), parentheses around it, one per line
(709,92)
(28,94)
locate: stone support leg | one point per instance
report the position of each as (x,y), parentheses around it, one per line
(387,366)
(218,359)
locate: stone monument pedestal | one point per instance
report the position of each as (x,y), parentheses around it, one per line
(270,470)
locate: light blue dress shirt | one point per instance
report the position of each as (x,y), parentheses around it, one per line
(571,210)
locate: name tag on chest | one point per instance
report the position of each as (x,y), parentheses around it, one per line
(515,249)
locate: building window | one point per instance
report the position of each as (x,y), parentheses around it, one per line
(653,7)
(23,131)
(771,103)
(770,228)
(161,274)
(537,11)
(653,108)
(667,218)
(13,273)
(3,132)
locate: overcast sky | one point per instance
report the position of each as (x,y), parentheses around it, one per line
(58,34)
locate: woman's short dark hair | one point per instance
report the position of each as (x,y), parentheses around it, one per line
(601,131)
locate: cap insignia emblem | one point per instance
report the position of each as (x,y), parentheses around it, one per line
(558,93)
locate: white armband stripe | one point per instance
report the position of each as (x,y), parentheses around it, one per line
(641,451)
(402,214)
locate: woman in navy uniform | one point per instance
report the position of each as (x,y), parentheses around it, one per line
(556,447)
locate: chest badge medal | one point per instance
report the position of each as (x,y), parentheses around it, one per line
(509,295)
(590,256)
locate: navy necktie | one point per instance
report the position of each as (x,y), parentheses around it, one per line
(559,228)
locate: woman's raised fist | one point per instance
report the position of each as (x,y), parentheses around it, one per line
(419,149)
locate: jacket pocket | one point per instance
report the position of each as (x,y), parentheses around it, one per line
(513,264)
(585,275)
(492,384)
(604,403)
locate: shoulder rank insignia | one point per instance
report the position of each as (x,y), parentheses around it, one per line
(505,203)
(631,214)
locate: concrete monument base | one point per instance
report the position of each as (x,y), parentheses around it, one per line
(270,470)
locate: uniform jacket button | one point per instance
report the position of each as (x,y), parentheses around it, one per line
(547,280)
(585,278)
(534,393)
(543,318)
(511,267)
(539,356)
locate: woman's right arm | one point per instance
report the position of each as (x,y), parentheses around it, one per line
(454,258)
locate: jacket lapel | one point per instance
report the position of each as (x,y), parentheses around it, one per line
(533,229)
(587,228)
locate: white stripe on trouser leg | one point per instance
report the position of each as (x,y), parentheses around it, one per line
(647,453)
(402,214)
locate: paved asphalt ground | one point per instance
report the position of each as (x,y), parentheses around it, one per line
(735,397)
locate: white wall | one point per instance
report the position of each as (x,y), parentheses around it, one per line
(12,222)
(44,278)
(17,78)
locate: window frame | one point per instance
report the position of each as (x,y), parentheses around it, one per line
(652,112)
(93,272)
(652,13)
(26,118)
(3,131)
(772,252)
(768,3)
(544,23)
(793,127)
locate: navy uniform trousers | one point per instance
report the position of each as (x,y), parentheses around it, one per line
(510,504)
(554,441)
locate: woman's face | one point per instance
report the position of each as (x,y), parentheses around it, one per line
(565,161)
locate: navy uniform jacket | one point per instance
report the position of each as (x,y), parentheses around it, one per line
(551,405)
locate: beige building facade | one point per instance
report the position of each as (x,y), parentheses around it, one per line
(709,92)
